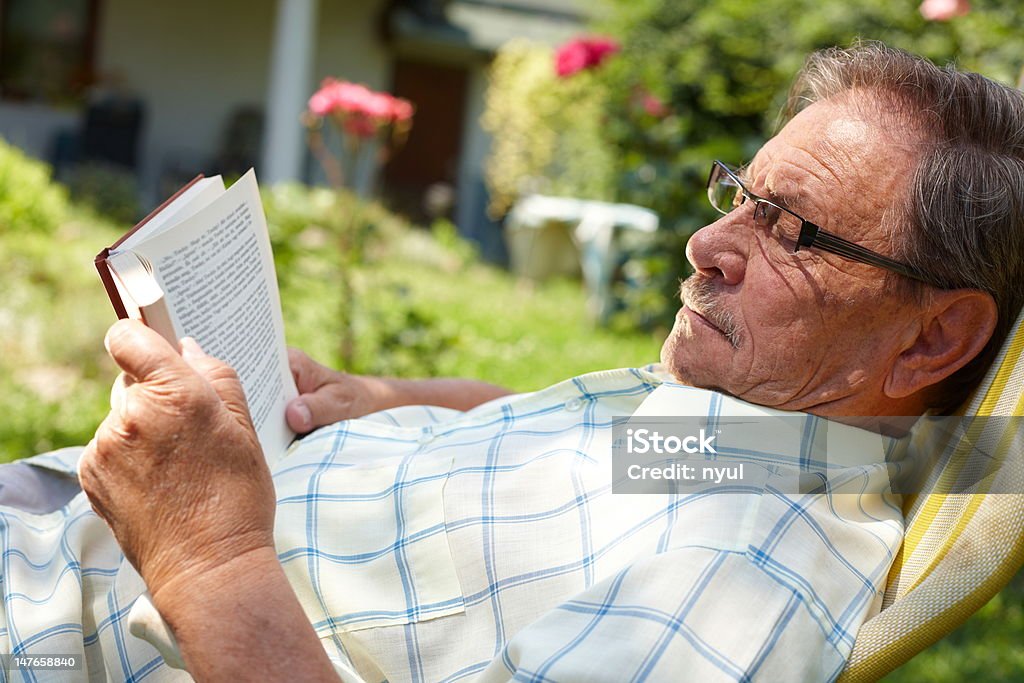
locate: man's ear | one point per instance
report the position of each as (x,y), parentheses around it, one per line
(955,327)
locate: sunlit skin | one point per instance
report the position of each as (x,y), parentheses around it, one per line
(816,332)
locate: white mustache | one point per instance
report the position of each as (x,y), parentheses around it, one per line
(698,293)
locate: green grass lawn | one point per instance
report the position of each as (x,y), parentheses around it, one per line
(424,311)
(515,334)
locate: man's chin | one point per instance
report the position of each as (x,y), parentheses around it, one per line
(674,361)
(669,350)
(687,369)
(678,353)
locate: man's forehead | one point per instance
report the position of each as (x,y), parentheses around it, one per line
(827,148)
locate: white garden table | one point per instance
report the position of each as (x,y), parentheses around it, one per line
(549,236)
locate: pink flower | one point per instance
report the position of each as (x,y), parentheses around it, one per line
(335,95)
(401,110)
(323,101)
(654,106)
(583,53)
(351,98)
(376,106)
(359,126)
(944,10)
(357,109)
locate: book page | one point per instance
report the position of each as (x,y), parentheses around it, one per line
(217,273)
(200,194)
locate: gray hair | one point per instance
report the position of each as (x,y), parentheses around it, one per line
(962,220)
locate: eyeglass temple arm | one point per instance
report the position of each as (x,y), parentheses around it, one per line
(812,235)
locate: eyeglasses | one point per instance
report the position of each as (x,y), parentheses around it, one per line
(726,193)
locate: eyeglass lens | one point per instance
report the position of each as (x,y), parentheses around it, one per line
(726,194)
(723,191)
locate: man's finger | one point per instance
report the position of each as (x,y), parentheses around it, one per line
(218,375)
(309,375)
(298,416)
(326,405)
(140,352)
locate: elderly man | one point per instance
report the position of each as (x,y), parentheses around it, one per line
(868,262)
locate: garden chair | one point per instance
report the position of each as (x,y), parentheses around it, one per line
(960,548)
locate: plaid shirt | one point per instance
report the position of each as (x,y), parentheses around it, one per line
(430,545)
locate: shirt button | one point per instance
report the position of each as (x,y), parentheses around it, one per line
(573,404)
(425,438)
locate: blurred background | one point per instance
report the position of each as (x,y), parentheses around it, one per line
(523,221)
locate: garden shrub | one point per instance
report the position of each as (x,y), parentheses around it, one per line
(109,190)
(29,201)
(546,130)
(54,373)
(721,70)
(315,234)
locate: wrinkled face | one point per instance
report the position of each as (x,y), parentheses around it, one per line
(805,330)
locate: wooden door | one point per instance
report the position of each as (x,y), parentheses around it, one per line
(431,153)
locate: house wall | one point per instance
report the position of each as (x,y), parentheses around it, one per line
(194,62)
(348,45)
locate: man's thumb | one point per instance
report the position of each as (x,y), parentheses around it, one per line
(218,375)
(316,409)
(142,353)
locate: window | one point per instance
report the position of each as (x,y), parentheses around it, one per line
(46,49)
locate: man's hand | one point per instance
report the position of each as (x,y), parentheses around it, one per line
(177,472)
(176,469)
(326,396)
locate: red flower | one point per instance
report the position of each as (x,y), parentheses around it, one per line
(640,98)
(570,58)
(601,48)
(583,53)
(944,10)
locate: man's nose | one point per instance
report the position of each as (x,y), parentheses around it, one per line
(720,250)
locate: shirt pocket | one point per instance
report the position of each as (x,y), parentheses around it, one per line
(365,545)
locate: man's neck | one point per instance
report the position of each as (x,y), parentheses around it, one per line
(880,414)
(876,412)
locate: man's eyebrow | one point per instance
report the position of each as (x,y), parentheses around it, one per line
(788,200)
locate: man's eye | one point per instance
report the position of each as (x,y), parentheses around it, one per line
(766,215)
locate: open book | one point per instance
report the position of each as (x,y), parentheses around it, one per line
(200,266)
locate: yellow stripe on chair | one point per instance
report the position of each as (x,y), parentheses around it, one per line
(1007,383)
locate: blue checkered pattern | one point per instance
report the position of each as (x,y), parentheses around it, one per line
(430,545)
